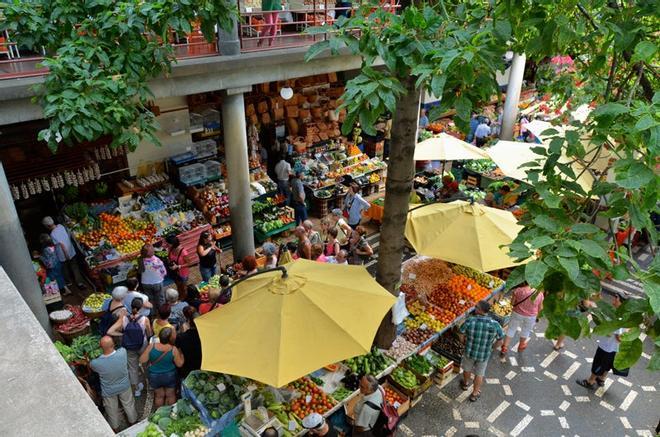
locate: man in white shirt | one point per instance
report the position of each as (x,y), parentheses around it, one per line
(340,258)
(603,361)
(482,133)
(283,172)
(65,250)
(368,406)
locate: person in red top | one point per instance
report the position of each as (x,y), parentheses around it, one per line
(177,257)
(527,303)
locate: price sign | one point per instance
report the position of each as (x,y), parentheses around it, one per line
(251,387)
(412,276)
(308,399)
(462,302)
(292,425)
(491,284)
(396,404)
(422,326)
(321,6)
(247,403)
(469,287)
(248,9)
(221,387)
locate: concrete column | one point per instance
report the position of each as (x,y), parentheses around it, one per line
(510,113)
(228,42)
(238,172)
(15,257)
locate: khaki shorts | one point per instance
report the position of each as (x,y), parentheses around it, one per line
(476,367)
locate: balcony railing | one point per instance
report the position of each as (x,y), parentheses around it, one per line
(258,31)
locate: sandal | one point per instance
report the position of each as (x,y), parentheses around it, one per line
(522,346)
(464,386)
(557,348)
(475,396)
(503,351)
(600,382)
(584,383)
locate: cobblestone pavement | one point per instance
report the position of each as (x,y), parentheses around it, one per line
(534,393)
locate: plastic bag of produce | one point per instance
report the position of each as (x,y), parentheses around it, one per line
(399,310)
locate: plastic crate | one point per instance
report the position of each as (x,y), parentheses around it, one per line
(215,426)
(192,174)
(196,123)
(211,120)
(213,170)
(204,149)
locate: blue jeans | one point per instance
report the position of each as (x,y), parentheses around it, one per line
(207,273)
(300,212)
(57,274)
(162,380)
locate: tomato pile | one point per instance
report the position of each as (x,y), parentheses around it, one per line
(453,303)
(393,397)
(319,402)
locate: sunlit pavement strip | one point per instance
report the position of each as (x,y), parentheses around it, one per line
(571,370)
(645,355)
(497,411)
(507,390)
(496,432)
(492,381)
(463,396)
(547,413)
(522,405)
(644,433)
(648,388)
(625,422)
(601,390)
(550,375)
(628,400)
(444,397)
(513,361)
(549,359)
(521,425)
(582,398)
(570,354)
(407,431)
(457,415)
(451,431)
(527,369)
(606,405)
(510,375)
(625,382)
(563,422)
(564,405)
(472,425)
(566,390)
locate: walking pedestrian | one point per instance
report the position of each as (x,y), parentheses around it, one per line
(481,333)
(112,368)
(207,251)
(152,273)
(527,303)
(177,257)
(355,205)
(54,268)
(134,330)
(603,361)
(298,198)
(66,252)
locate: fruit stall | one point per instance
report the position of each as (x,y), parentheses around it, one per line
(110,235)
(323,172)
(439,296)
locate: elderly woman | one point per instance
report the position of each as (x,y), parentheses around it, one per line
(343,230)
(114,309)
(270,250)
(152,273)
(176,307)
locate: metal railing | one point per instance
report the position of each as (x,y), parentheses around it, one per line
(258,31)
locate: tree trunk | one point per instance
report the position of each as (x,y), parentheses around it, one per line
(398,186)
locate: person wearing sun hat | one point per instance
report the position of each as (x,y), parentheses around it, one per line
(315,424)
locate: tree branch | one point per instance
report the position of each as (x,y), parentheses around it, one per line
(610,79)
(586,14)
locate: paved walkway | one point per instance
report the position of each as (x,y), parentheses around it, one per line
(534,394)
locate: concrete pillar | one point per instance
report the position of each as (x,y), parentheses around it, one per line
(228,42)
(15,257)
(510,113)
(238,172)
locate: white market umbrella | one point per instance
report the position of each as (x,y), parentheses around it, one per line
(445,147)
(511,155)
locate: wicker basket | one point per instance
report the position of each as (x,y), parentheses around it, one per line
(69,336)
(95,315)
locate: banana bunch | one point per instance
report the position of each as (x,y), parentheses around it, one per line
(483,279)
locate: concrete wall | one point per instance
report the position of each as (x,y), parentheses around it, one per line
(198,75)
(40,394)
(174,116)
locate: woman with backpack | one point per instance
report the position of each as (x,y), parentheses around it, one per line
(134,330)
(162,360)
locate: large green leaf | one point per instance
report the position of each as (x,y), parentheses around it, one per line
(652,289)
(636,176)
(654,363)
(629,353)
(535,272)
(592,248)
(571,266)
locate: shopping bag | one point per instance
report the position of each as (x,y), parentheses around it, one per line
(399,310)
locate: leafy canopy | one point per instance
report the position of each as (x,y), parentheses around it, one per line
(101,54)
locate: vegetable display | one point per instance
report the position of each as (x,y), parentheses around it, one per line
(150,431)
(77,322)
(341,393)
(461,285)
(94,302)
(393,398)
(372,363)
(180,419)
(502,307)
(400,348)
(483,279)
(204,386)
(85,347)
(426,273)
(419,335)
(419,365)
(405,378)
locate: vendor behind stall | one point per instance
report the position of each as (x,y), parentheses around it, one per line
(502,198)
(450,189)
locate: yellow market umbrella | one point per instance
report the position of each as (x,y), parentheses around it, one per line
(510,155)
(277,329)
(463,233)
(445,147)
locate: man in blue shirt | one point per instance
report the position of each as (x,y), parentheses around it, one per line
(474,122)
(423,119)
(298,198)
(355,205)
(112,367)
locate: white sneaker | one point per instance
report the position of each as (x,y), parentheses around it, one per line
(138,390)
